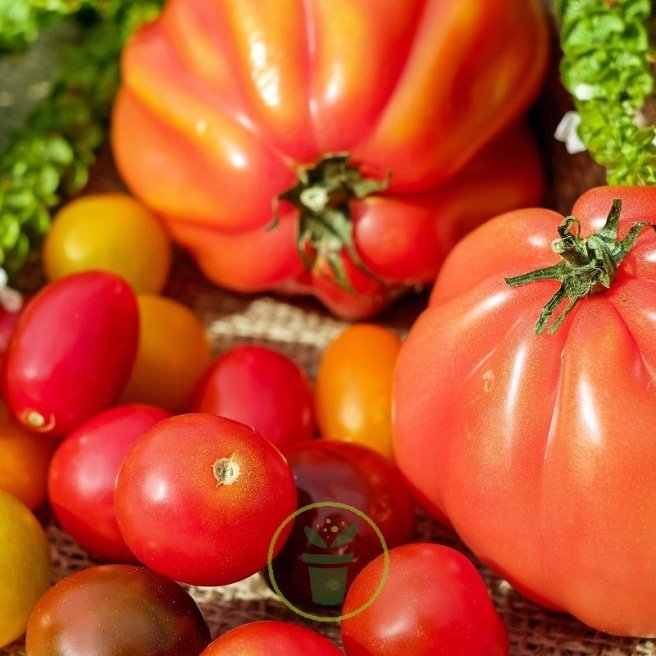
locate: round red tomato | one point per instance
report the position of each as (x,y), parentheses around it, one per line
(82,476)
(262,388)
(339,474)
(433,603)
(271,638)
(538,448)
(116,609)
(199,497)
(71,351)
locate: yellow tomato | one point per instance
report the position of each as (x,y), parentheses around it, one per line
(113,232)
(173,352)
(353,389)
(25,567)
(24,460)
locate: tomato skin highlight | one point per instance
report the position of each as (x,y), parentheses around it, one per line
(433,603)
(82,476)
(222,529)
(71,352)
(537,448)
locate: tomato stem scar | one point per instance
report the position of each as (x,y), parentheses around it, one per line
(226,470)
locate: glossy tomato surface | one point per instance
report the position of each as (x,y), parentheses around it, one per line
(339,477)
(433,603)
(199,497)
(538,448)
(362,134)
(82,476)
(116,609)
(71,352)
(271,638)
(262,388)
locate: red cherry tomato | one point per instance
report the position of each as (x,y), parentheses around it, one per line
(199,497)
(261,388)
(71,352)
(271,638)
(433,603)
(343,473)
(82,476)
(116,609)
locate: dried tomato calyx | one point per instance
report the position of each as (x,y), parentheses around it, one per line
(589,264)
(325,228)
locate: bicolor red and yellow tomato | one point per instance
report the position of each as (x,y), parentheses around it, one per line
(328,148)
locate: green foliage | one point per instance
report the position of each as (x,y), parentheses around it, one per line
(607,67)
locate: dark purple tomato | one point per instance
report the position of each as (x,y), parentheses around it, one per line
(116,610)
(83,472)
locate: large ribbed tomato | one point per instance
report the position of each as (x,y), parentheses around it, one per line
(539,448)
(337,148)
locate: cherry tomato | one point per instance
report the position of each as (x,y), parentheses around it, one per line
(111,232)
(71,352)
(433,603)
(8,321)
(116,609)
(24,459)
(173,353)
(199,497)
(82,476)
(354,386)
(25,567)
(337,472)
(261,388)
(271,638)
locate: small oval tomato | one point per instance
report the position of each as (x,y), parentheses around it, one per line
(174,351)
(259,387)
(24,459)
(339,473)
(271,638)
(199,497)
(71,352)
(25,567)
(83,471)
(433,603)
(116,609)
(354,386)
(111,232)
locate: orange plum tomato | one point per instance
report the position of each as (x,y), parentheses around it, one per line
(71,352)
(24,460)
(353,388)
(199,497)
(271,638)
(433,603)
(174,351)
(25,567)
(262,388)
(82,476)
(333,474)
(111,232)
(116,609)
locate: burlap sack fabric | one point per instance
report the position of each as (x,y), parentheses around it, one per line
(301,328)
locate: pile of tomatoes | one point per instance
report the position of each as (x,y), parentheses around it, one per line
(172,465)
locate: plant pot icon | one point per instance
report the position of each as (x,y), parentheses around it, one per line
(328,575)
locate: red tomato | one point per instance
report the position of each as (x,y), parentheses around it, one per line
(71,352)
(83,472)
(350,141)
(538,448)
(199,497)
(271,638)
(433,603)
(259,387)
(342,473)
(116,609)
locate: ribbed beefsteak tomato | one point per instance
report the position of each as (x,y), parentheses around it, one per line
(536,440)
(336,148)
